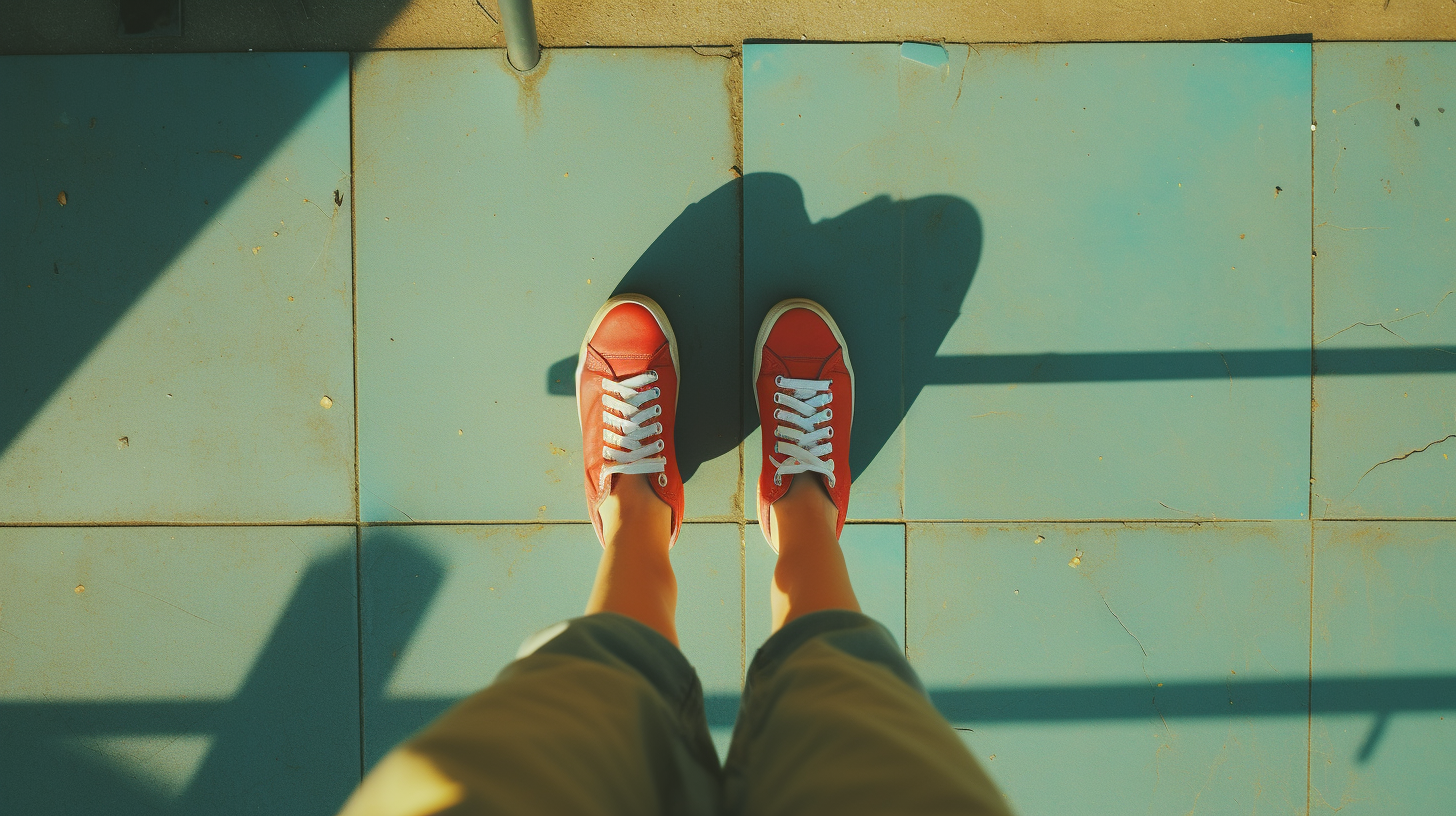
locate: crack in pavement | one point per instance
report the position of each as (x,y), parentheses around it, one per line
(1151,686)
(1405,455)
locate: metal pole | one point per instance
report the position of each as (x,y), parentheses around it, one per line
(519,21)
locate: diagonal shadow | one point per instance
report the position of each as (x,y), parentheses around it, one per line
(894,274)
(147,149)
(287,741)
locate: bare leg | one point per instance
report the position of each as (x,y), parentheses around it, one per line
(635,576)
(810,575)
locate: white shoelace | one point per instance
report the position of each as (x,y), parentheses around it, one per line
(802,444)
(628,398)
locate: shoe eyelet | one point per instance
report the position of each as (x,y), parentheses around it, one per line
(829,435)
(779,381)
(661,445)
(828,414)
(662,479)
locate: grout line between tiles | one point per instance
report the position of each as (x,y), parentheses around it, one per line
(905,601)
(1313,259)
(359,632)
(742,604)
(742,295)
(1347,520)
(724,520)
(901,429)
(1309,690)
(354,289)
(1309,677)
(302,523)
(1313,135)
(354,337)
(735,106)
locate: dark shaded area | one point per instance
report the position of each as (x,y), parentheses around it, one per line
(150,18)
(1186,365)
(146,151)
(1234,698)
(1129,366)
(1272,38)
(31,27)
(1382,697)
(893,274)
(692,271)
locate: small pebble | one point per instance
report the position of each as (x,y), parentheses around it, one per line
(326,402)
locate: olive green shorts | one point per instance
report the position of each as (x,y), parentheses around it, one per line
(602,715)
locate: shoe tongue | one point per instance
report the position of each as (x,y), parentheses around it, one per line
(801,368)
(630,367)
(622,368)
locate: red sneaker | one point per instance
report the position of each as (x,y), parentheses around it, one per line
(626,401)
(800,367)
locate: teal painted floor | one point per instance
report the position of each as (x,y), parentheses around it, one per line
(1156,400)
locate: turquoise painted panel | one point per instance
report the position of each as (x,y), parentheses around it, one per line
(875,555)
(1385,270)
(1099,255)
(1384,660)
(499,212)
(175,295)
(150,670)
(1119,668)
(446,608)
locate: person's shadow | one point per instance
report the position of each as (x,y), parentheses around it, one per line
(892,273)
